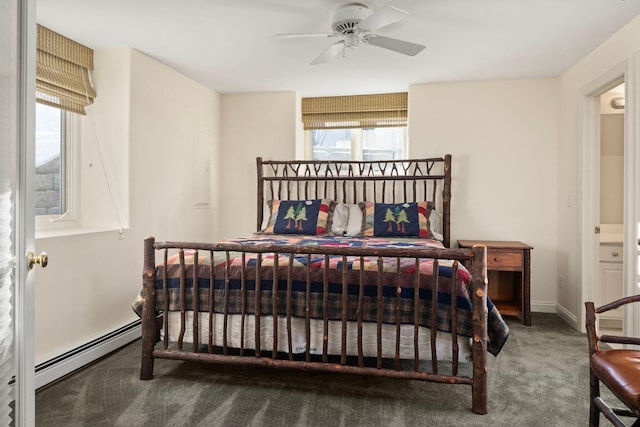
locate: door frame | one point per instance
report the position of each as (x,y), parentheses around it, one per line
(629,73)
(24,220)
(632,195)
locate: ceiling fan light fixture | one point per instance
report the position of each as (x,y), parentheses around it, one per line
(352,40)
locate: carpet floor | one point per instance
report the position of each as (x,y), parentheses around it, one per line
(540,378)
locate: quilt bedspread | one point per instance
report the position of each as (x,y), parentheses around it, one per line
(397,289)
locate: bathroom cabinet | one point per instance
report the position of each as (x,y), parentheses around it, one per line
(610,289)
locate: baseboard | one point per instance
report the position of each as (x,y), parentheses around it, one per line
(567,316)
(71,361)
(552,307)
(543,307)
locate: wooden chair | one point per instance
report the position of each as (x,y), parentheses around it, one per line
(617,369)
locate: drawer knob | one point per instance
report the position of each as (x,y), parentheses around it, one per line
(614,253)
(496,259)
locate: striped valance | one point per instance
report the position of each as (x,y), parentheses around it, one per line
(62,72)
(357,111)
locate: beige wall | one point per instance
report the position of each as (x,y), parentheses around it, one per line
(147,118)
(618,49)
(170,116)
(103,146)
(502,136)
(257,124)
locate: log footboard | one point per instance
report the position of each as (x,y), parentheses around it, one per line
(275,357)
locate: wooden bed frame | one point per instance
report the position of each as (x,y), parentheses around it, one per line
(347,182)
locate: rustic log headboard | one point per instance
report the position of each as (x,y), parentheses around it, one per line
(384,181)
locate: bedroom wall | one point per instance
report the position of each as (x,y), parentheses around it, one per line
(253,124)
(623,46)
(503,137)
(151,122)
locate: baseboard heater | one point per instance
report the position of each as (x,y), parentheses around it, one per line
(63,365)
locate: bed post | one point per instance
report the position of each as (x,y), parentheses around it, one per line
(479,320)
(260,192)
(149,328)
(446,202)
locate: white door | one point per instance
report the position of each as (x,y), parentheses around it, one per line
(17,82)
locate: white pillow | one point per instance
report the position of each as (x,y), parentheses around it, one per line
(354,226)
(347,220)
(340,219)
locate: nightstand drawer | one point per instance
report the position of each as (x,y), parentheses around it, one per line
(497,259)
(611,253)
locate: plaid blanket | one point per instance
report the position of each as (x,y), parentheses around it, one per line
(394,287)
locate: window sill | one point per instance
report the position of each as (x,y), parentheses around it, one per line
(72,231)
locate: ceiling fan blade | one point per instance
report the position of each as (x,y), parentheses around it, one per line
(381,18)
(396,45)
(329,54)
(300,35)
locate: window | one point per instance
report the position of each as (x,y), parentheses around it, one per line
(55,158)
(358,143)
(50,161)
(358,127)
(63,90)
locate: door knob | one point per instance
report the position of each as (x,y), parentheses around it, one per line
(32,259)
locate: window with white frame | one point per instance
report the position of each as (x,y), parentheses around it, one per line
(50,161)
(359,127)
(358,144)
(63,90)
(56,184)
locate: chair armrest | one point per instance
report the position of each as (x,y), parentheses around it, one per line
(590,323)
(616,339)
(618,303)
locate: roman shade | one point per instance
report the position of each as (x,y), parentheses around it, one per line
(357,111)
(62,72)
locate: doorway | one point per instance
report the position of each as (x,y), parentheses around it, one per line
(609,283)
(627,72)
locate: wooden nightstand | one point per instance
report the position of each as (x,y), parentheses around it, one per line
(509,272)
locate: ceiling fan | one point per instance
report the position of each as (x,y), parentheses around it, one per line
(353,23)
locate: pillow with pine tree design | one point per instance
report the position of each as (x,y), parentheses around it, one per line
(307,217)
(409,219)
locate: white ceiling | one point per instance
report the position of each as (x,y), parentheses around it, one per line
(229,45)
